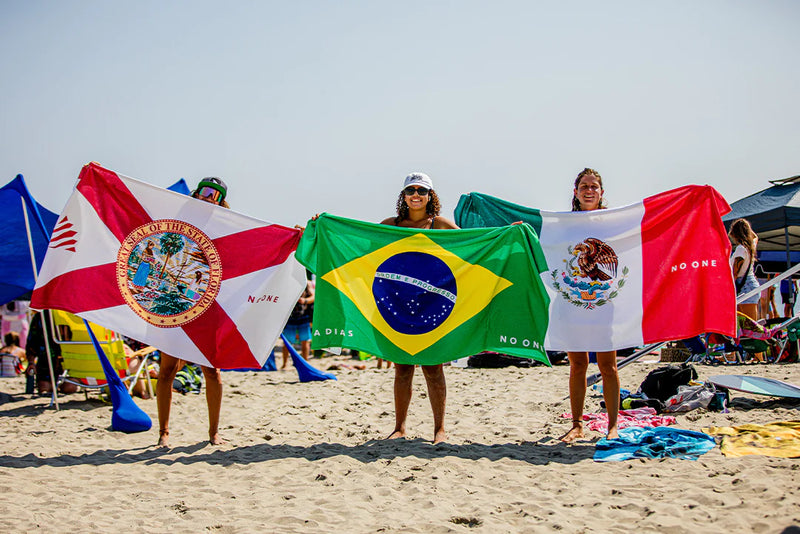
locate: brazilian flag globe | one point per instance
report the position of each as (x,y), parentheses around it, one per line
(426,296)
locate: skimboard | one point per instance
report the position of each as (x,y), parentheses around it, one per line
(756,385)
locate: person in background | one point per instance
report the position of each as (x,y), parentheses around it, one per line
(12,355)
(742,264)
(587,195)
(787,297)
(15,319)
(36,353)
(766,302)
(298,327)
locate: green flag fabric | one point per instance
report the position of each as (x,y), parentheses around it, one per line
(426,296)
(477,210)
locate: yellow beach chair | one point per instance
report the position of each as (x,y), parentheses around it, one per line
(81,365)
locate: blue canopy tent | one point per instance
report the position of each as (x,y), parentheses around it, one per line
(21,215)
(180,187)
(23,245)
(774,214)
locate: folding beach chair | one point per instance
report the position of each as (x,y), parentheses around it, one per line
(791,327)
(717,349)
(81,365)
(751,338)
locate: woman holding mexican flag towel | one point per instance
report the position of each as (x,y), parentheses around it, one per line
(418,207)
(587,195)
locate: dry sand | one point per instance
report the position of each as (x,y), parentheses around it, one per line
(309,458)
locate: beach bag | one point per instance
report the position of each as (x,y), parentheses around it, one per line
(663,382)
(496,360)
(690,398)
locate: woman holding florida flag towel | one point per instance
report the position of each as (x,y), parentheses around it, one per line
(212,190)
(418,207)
(588,196)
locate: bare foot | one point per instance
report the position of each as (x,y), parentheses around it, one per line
(163,439)
(576,432)
(439,437)
(216,439)
(612,434)
(397,434)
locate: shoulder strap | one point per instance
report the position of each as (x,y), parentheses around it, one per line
(740,281)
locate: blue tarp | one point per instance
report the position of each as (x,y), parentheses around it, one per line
(16,269)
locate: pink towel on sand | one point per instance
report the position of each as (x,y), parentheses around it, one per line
(640,417)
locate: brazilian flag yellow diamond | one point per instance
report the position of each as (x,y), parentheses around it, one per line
(476,287)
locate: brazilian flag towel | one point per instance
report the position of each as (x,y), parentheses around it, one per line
(426,296)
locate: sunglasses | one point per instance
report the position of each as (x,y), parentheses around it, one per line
(421,191)
(209,192)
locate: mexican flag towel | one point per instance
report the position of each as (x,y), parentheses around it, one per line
(625,277)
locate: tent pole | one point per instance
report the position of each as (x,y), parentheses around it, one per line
(30,239)
(54,397)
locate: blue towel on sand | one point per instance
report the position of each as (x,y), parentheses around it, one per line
(658,442)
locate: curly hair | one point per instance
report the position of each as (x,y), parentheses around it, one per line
(742,234)
(431,208)
(576,205)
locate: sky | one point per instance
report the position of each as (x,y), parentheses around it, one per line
(324,106)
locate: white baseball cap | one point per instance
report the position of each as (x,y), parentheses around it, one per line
(418,178)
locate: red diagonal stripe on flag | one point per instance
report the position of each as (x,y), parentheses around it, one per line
(69,291)
(221,342)
(240,257)
(114,203)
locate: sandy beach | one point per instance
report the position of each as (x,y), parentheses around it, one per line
(308,457)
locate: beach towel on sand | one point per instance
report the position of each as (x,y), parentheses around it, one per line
(637,417)
(780,439)
(661,442)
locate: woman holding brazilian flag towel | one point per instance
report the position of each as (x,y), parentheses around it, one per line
(412,293)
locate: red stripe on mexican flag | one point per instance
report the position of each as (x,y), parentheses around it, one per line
(689,286)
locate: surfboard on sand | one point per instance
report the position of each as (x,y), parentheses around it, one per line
(757,385)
